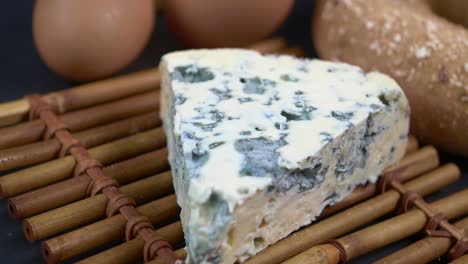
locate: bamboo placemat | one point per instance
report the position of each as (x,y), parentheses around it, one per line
(129,142)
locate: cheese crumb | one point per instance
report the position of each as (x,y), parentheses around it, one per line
(466,67)
(422,53)
(369,24)
(397,38)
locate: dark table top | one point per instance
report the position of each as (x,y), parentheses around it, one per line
(22,72)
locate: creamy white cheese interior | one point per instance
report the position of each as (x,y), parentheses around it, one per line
(259,145)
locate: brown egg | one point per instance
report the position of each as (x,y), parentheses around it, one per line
(88,39)
(225,23)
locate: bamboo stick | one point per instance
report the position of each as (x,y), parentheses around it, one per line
(74,189)
(384,233)
(110,229)
(13,112)
(293,51)
(431,186)
(270,45)
(60,169)
(85,95)
(424,250)
(426,184)
(93,208)
(361,193)
(42,151)
(354,217)
(412,144)
(32,131)
(461,260)
(326,255)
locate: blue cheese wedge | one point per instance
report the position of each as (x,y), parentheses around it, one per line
(260,145)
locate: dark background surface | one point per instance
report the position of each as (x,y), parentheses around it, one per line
(22,72)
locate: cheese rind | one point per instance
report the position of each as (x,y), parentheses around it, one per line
(259,145)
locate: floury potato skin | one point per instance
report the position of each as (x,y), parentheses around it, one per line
(259,145)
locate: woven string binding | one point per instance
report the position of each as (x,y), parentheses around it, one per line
(341,249)
(100,183)
(407,200)
(433,227)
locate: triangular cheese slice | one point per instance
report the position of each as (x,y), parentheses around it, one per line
(259,145)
